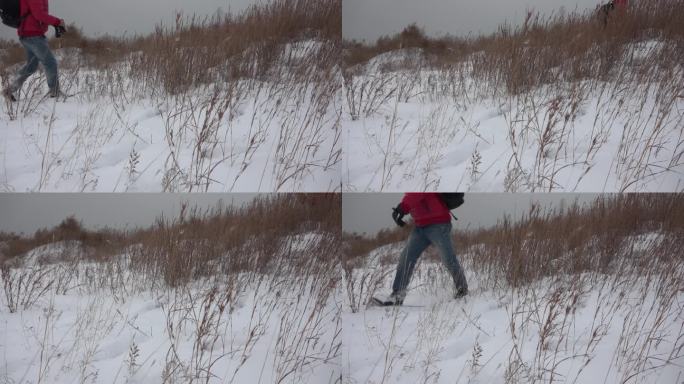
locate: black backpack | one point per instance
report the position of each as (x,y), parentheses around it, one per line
(9,13)
(452,200)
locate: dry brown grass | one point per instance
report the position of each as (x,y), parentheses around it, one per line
(578,239)
(233,240)
(99,244)
(545,50)
(356,245)
(445,48)
(247,45)
(198,243)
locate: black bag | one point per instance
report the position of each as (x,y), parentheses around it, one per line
(9,13)
(452,200)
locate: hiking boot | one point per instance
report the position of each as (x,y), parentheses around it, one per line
(461,292)
(396,298)
(55,93)
(9,95)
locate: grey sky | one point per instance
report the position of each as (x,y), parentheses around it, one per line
(98,17)
(361,19)
(370,19)
(371,212)
(26,212)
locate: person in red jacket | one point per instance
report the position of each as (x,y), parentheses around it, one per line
(607,9)
(35,22)
(432,226)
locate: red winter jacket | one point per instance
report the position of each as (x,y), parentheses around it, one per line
(620,3)
(37,18)
(425,208)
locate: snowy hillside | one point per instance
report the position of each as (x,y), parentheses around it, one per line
(557,104)
(113,321)
(584,328)
(278,133)
(231,102)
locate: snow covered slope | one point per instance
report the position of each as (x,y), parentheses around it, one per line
(279,133)
(106,322)
(414,127)
(584,328)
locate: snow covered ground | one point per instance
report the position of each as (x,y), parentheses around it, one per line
(99,322)
(290,312)
(588,328)
(409,127)
(275,134)
(394,125)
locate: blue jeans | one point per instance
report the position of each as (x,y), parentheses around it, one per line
(420,238)
(37,51)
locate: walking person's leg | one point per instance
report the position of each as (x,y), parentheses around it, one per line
(440,236)
(416,244)
(41,50)
(25,71)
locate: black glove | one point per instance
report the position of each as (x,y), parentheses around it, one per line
(397,215)
(60,30)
